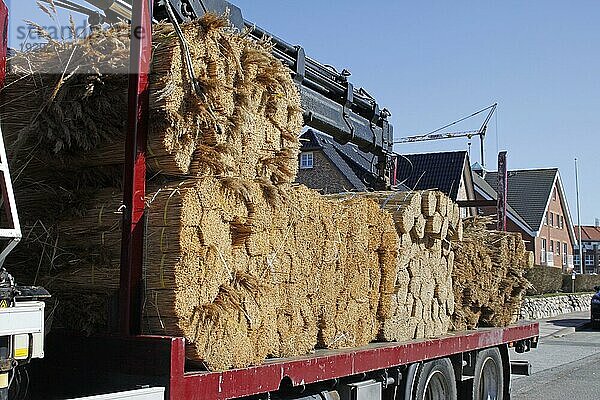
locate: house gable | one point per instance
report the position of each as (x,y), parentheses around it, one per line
(324,175)
(528,192)
(330,172)
(449,172)
(485,191)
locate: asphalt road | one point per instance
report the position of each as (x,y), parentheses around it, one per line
(566,364)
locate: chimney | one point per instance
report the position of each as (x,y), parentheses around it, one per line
(597,223)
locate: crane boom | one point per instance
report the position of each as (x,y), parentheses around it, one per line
(434,135)
(437,136)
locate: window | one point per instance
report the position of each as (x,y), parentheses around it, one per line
(557,246)
(543,253)
(552,246)
(561,222)
(589,259)
(554,194)
(546,219)
(306,160)
(565,253)
(551,219)
(575,259)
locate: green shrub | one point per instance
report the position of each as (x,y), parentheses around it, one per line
(544,280)
(583,283)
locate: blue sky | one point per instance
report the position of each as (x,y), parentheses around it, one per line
(431,62)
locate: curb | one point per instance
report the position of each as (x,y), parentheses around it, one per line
(571,329)
(564,332)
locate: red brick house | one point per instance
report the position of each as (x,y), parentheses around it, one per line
(538,209)
(590,242)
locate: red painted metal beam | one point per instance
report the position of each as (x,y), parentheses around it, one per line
(3,40)
(326,364)
(134,174)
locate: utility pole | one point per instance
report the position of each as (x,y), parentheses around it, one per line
(502,190)
(578,217)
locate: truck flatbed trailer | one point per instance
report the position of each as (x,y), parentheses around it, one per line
(97,365)
(461,365)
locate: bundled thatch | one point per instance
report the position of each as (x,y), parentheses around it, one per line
(245,270)
(488,275)
(65,105)
(421,301)
(238,260)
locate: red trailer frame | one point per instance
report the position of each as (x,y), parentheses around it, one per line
(327,364)
(109,364)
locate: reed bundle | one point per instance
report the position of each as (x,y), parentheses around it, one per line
(246,271)
(67,103)
(238,260)
(421,300)
(488,276)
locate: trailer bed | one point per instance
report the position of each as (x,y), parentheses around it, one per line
(112,363)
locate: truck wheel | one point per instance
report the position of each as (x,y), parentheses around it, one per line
(488,383)
(436,381)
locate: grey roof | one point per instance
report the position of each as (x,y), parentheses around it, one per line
(485,187)
(443,171)
(528,192)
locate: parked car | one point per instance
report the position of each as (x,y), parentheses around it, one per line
(595,309)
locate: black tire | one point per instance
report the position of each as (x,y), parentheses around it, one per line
(436,381)
(488,383)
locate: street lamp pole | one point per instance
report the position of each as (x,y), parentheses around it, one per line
(578,217)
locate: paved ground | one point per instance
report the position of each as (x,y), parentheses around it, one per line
(566,364)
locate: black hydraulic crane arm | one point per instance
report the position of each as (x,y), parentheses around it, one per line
(330,101)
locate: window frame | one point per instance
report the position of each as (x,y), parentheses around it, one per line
(307,160)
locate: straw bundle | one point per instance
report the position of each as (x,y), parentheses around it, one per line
(240,262)
(69,99)
(245,271)
(421,300)
(488,276)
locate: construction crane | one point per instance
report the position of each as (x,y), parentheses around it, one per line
(436,135)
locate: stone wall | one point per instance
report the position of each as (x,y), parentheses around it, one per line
(546,307)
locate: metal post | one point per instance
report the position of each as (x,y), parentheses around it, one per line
(502,190)
(481,140)
(134,174)
(578,217)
